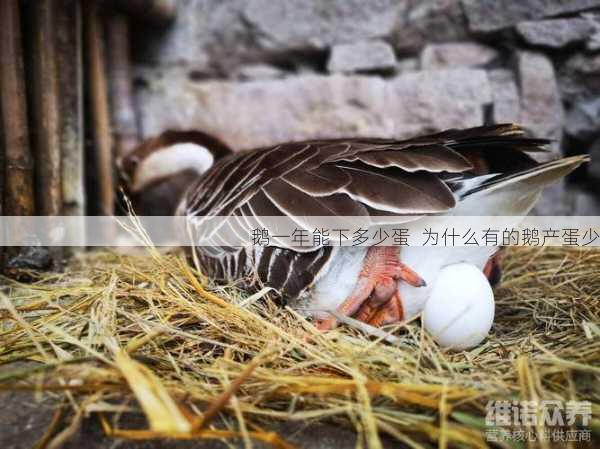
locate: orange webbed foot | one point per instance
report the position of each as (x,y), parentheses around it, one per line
(373,296)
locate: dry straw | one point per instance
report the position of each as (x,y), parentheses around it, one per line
(117,335)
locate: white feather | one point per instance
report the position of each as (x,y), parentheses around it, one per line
(171,160)
(339,279)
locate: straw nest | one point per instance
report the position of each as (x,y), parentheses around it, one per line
(116,335)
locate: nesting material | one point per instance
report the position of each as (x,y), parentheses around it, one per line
(120,335)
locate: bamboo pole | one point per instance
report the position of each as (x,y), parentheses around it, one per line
(125,129)
(101,132)
(18,169)
(45,111)
(69,59)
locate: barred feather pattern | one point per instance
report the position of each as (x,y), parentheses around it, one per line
(370,178)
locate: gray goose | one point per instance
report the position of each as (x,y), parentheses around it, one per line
(477,171)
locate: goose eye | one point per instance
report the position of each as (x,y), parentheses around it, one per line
(133,161)
(127,166)
(130,164)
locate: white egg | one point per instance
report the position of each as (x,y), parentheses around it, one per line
(460,310)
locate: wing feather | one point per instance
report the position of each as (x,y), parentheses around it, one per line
(382,180)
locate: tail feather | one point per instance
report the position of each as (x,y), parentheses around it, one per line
(538,176)
(507,135)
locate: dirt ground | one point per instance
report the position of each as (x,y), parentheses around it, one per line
(25,417)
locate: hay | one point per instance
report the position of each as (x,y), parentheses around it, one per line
(116,328)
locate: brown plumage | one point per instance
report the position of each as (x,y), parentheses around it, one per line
(378,179)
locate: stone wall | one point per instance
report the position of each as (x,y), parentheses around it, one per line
(256,72)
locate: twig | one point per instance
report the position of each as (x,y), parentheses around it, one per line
(57,416)
(366,328)
(220,401)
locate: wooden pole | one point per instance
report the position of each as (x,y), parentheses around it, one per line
(18,168)
(70,78)
(18,194)
(45,111)
(125,129)
(2,162)
(99,104)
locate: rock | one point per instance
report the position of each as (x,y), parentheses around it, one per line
(430,21)
(541,106)
(555,33)
(493,15)
(555,200)
(594,165)
(579,77)
(206,36)
(362,57)
(427,101)
(593,43)
(583,120)
(217,37)
(505,95)
(407,65)
(258,113)
(464,54)
(259,72)
(314,24)
(586,204)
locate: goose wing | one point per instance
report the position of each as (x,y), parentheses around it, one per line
(377,180)
(398,180)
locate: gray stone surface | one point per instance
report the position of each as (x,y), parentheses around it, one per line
(555,200)
(593,43)
(206,36)
(579,77)
(259,72)
(362,57)
(430,21)
(426,101)
(217,36)
(586,203)
(257,113)
(314,24)
(505,95)
(492,15)
(594,165)
(583,120)
(555,33)
(407,65)
(459,54)
(541,106)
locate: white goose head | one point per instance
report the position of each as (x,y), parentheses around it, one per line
(156,173)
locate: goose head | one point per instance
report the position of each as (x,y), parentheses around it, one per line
(156,173)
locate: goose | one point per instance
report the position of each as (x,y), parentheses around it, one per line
(485,170)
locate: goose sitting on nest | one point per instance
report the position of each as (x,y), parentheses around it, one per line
(478,171)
